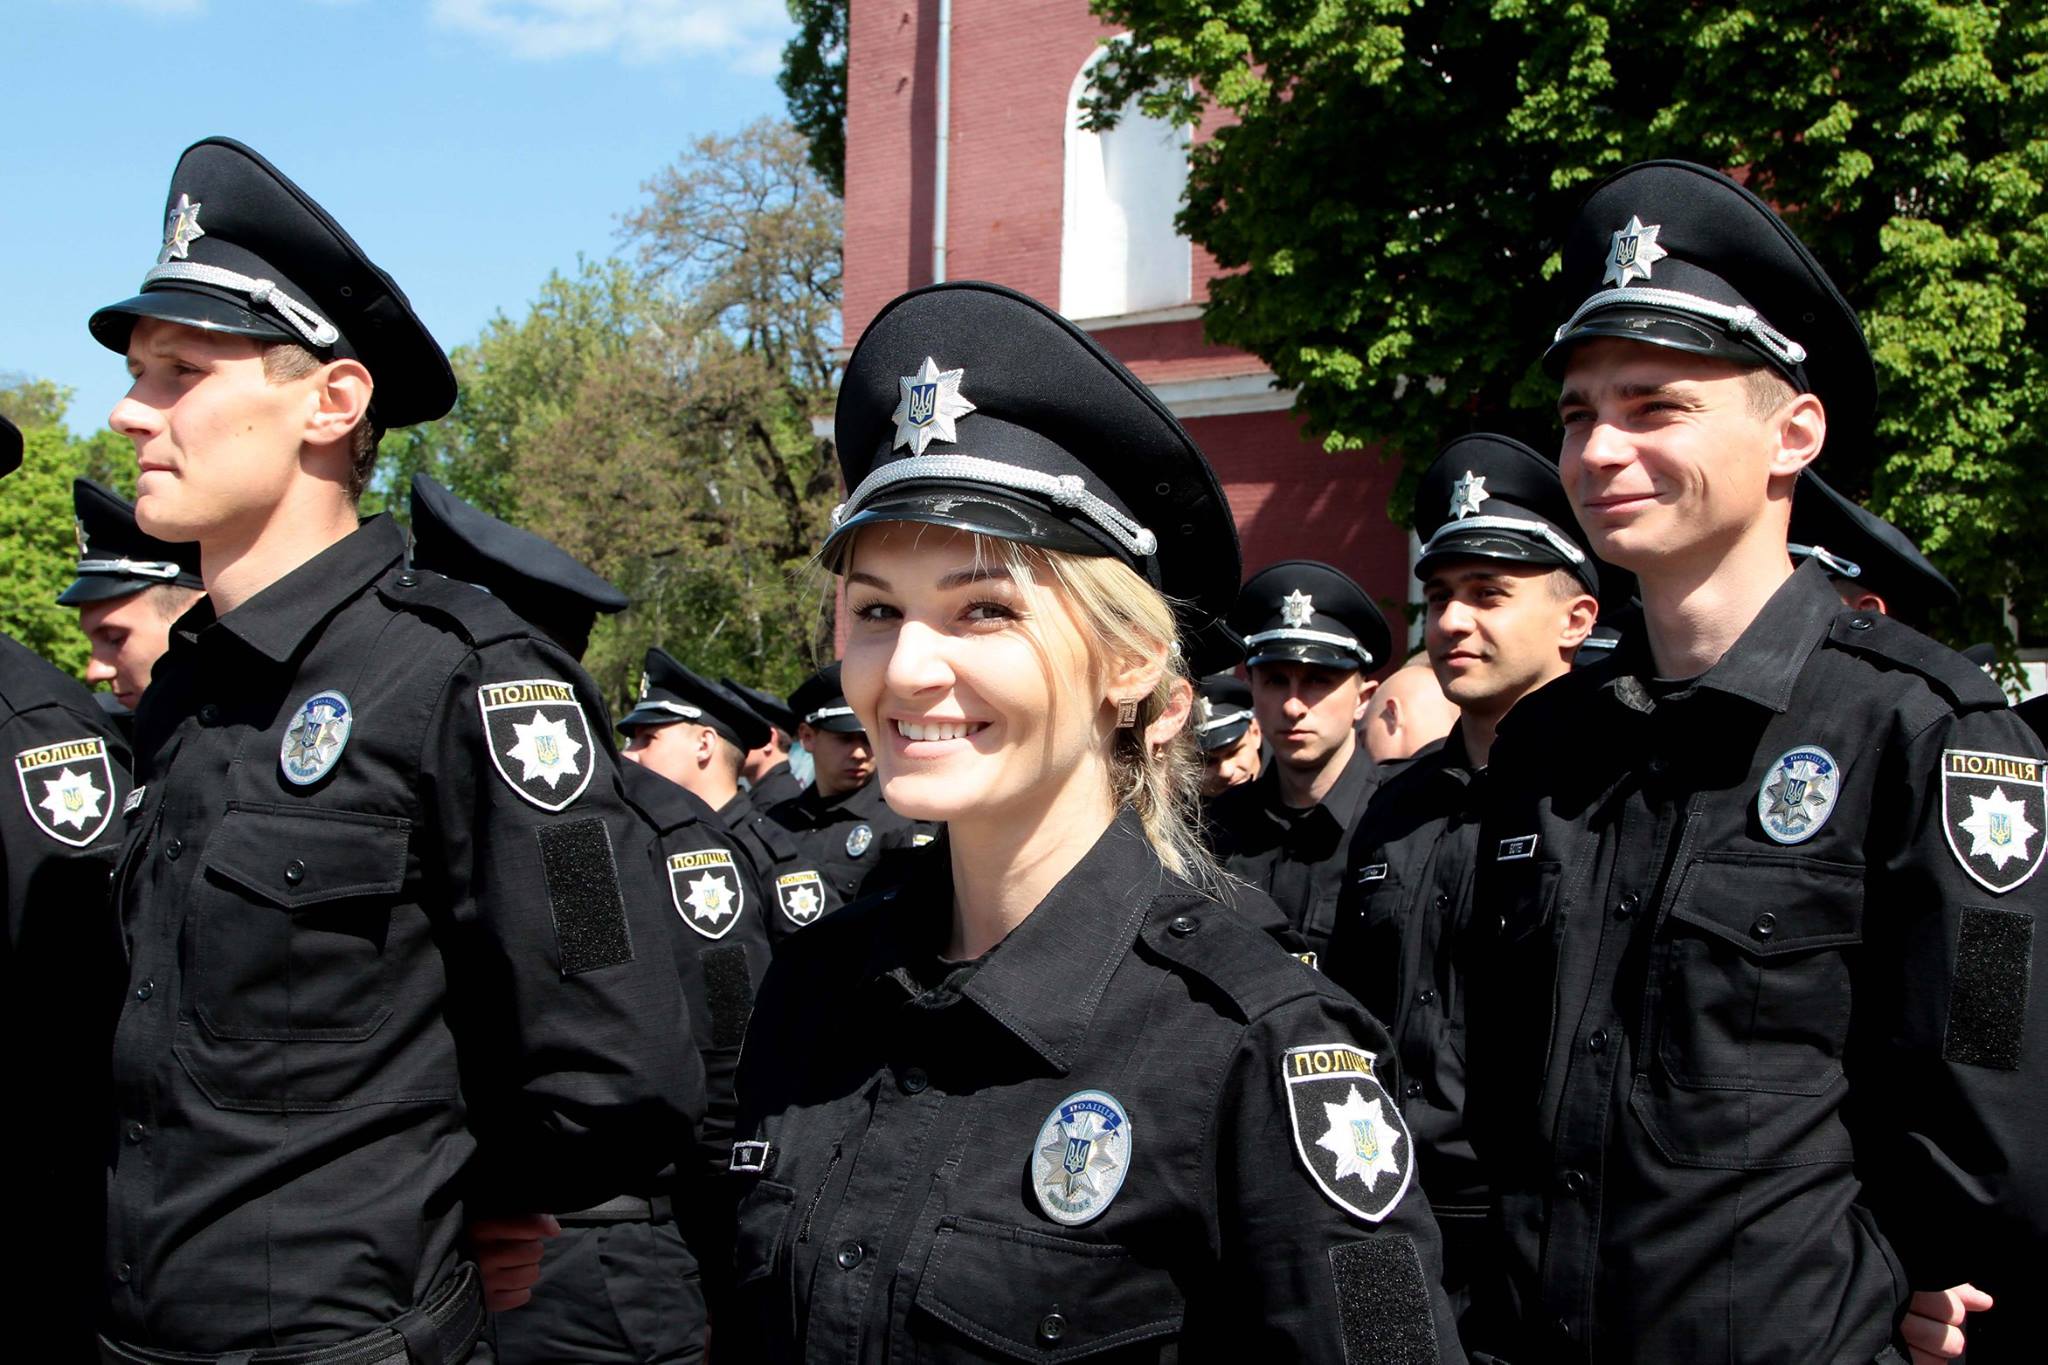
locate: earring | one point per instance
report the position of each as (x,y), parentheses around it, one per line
(1127,713)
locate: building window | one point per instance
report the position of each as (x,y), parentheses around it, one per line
(1119,252)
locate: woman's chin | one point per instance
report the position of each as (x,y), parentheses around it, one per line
(924,796)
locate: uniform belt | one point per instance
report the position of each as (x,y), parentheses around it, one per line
(441,1331)
(627,1208)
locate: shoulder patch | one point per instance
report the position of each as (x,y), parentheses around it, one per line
(539,740)
(801,896)
(706,888)
(1994,810)
(1348,1131)
(68,788)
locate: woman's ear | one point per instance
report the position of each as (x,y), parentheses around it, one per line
(1139,677)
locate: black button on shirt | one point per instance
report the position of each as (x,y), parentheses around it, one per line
(306,958)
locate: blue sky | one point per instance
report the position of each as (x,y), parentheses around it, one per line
(470,146)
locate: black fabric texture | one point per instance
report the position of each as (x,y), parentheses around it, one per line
(729,991)
(1987,1014)
(1383,1302)
(583,895)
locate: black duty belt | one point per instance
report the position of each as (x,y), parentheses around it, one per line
(627,1208)
(441,1331)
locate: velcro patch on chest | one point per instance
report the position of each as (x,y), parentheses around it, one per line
(539,740)
(1994,808)
(1348,1131)
(68,788)
(706,889)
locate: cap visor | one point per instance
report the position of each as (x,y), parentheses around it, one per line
(838,725)
(1501,545)
(1303,652)
(209,312)
(647,715)
(981,511)
(1655,327)
(1223,736)
(100,587)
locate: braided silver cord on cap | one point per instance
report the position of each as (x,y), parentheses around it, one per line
(132,568)
(1572,553)
(317,331)
(1063,490)
(1313,637)
(1742,321)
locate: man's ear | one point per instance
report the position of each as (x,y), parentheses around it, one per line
(1802,429)
(1581,614)
(1366,688)
(1180,704)
(343,389)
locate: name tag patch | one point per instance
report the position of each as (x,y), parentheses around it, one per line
(1516,849)
(1372,872)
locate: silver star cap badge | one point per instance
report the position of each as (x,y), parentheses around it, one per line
(1634,251)
(181,229)
(931,403)
(1296,608)
(1466,495)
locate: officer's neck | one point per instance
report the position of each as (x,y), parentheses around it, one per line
(1694,615)
(1007,860)
(247,556)
(1303,788)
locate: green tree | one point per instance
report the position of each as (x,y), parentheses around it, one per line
(813,80)
(1395,176)
(38,547)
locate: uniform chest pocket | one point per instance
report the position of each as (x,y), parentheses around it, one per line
(991,1291)
(1756,980)
(290,945)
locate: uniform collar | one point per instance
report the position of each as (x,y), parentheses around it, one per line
(1048,980)
(278,620)
(1343,800)
(1763,664)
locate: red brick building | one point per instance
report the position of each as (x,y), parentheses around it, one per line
(1033,201)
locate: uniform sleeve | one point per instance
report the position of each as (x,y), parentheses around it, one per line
(1328,1249)
(1949,1057)
(583,1078)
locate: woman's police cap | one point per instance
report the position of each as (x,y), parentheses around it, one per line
(669,693)
(972,406)
(820,703)
(247,251)
(1491,497)
(115,556)
(1673,254)
(1859,546)
(1305,611)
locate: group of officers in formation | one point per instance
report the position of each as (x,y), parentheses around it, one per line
(393,1008)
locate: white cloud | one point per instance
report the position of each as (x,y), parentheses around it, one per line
(747,31)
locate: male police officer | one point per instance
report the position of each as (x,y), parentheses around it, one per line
(1757,1045)
(1226,732)
(1408,713)
(59,830)
(392,947)
(130,587)
(850,840)
(1313,635)
(1873,564)
(1511,591)
(766,768)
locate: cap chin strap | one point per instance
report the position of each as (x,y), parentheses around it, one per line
(132,568)
(1840,567)
(1218,722)
(826,713)
(317,331)
(1063,490)
(674,708)
(1312,637)
(1542,531)
(1743,321)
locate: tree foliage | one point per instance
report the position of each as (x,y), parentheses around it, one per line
(813,80)
(653,416)
(1396,176)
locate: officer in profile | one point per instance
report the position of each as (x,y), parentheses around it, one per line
(1408,713)
(1226,732)
(394,956)
(60,828)
(1873,564)
(850,843)
(766,769)
(1755,1044)
(629,1280)
(129,588)
(1313,636)
(1510,591)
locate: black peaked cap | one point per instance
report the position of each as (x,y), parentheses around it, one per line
(767,706)
(820,703)
(670,692)
(1674,254)
(540,581)
(1857,544)
(247,251)
(10,447)
(1076,453)
(1214,648)
(1491,497)
(116,557)
(1305,611)
(1223,710)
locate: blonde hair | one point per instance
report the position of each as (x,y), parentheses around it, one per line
(1123,620)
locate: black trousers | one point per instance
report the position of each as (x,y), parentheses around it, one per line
(610,1294)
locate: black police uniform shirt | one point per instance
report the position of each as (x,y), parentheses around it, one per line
(850,845)
(1294,856)
(1406,895)
(1757,1037)
(394,945)
(60,828)
(775,786)
(1095,1141)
